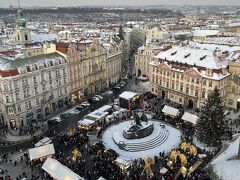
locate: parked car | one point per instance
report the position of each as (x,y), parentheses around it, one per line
(65,115)
(116,89)
(98,96)
(85,104)
(96,99)
(54,121)
(79,108)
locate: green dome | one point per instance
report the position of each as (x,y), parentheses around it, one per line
(21,22)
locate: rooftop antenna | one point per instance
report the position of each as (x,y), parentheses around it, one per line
(18,3)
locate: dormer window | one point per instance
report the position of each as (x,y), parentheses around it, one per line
(203,57)
(187,55)
(173,53)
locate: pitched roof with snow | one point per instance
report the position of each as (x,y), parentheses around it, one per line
(190,56)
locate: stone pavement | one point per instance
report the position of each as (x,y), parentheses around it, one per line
(13,137)
(15,171)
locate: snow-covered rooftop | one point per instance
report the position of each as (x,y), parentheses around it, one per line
(205,32)
(225,165)
(190,56)
(127,95)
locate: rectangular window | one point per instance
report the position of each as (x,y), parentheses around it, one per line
(210,83)
(187,90)
(181,77)
(181,88)
(19,108)
(172,85)
(196,92)
(37,101)
(203,94)
(204,82)
(15,84)
(197,81)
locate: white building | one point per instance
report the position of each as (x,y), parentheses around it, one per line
(32,88)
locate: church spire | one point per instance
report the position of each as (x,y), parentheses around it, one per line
(21,22)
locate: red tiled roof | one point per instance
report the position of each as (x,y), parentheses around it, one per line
(9,73)
(9,53)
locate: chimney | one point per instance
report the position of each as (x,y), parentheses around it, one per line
(218,53)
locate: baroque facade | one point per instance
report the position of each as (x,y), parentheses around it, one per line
(233,96)
(32,88)
(186,76)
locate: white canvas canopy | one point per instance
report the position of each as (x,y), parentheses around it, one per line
(43,141)
(170,110)
(128,95)
(163,170)
(58,171)
(192,118)
(41,151)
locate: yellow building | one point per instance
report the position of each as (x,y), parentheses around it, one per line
(233,96)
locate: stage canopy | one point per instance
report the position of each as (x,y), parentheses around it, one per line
(128,95)
(41,151)
(192,118)
(170,110)
(58,171)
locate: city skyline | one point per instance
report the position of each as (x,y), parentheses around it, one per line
(63,3)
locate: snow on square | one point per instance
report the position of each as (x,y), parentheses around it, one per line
(171,138)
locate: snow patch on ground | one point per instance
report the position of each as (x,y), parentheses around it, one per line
(223,166)
(202,146)
(172,141)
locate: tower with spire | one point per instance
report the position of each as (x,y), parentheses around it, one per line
(23,34)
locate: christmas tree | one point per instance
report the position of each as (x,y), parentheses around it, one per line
(211,129)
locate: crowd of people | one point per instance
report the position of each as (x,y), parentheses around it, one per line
(93,162)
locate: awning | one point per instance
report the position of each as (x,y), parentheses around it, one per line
(170,110)
(41,151)
(58,171)
(192,118)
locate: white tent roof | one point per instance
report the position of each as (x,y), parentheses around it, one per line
(59,171)
(86,122)
(41,151)
(170,110)
(192,118)
(127,95)
(43,141)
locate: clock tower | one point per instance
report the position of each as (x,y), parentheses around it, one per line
(23,34)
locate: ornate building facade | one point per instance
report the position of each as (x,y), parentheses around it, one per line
(186,76)
(32,88)
(233,97)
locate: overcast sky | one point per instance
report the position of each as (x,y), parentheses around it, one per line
(7,3)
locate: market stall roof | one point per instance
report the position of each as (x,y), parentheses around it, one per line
(170,110)
(192,118)
(41,151)
(163,170)
(128,95)
(43,141)
(105,108)
(58,171)
(86,122)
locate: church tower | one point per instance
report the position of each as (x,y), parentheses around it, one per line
(23,34)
